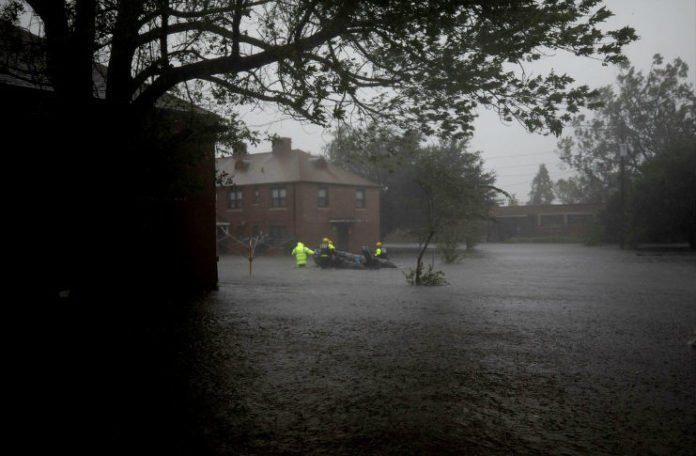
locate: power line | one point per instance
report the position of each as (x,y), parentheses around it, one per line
(517,155)
(517,166)
(562,173)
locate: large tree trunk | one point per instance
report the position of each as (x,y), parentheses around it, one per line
(119,80)
(106,249)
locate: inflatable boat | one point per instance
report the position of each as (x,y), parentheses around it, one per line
(346,260)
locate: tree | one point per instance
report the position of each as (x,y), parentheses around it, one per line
(403,167)
(648,113)
(542,187)
(380,153)
(512,200)
(662,203)
(649,116)
(376,151)
(457,187)
(425,65)
(577,190)
(458,194)
(437,192)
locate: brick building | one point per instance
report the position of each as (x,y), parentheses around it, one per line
(98,188)
(288,195)
(571,220)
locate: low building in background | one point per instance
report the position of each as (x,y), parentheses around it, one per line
(552,220)
(287,195)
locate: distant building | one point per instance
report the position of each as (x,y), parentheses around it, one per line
(541,220)
(287,195)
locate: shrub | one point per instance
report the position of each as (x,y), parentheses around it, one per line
(429,278)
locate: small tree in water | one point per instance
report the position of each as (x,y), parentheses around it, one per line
(457,193)
(450,239)
(441,192)
(448,242)
(430,278)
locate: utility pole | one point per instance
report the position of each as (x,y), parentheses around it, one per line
(622,192)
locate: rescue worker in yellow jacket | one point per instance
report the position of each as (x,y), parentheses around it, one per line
(300,253)
(380,252)
(326,253)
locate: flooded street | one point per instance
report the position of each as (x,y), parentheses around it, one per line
(531,349)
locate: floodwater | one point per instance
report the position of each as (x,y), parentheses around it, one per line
(530,349)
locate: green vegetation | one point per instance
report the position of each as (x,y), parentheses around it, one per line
(422,65)
(637,156)
(542,187)
(662,200)
(440,193)
(429,278)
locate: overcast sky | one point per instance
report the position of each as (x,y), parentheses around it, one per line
(667,27)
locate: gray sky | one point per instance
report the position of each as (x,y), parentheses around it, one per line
(667,27)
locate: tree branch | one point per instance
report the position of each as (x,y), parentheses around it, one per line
(231,64)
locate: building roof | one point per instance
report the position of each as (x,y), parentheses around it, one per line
(288,166)
(22,58)
(523,211)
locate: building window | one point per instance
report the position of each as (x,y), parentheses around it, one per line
(279,197)
(579,219)
(550,220)
(257,196)
(235,199)
(360,198)
(323,197)
(279,233)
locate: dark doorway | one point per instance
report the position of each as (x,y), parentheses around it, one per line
(343,237)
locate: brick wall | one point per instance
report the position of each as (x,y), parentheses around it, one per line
(542,220)
(303,217)
(104,220)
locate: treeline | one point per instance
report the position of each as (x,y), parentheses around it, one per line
(635,155)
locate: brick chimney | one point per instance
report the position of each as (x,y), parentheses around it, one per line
(282,145)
